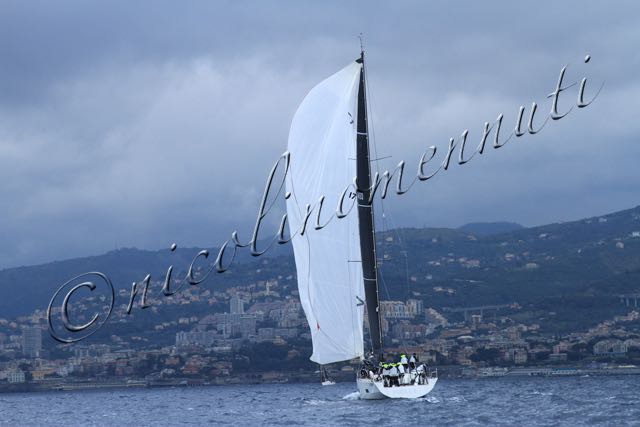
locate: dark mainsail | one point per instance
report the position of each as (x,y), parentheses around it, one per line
(366,220)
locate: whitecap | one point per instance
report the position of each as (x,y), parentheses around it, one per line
(352,396)
(431,399)
(315,402)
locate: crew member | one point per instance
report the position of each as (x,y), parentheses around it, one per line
(404,361)
(385,375)
(401,372)
(412,361)
(422,372)
(393,374)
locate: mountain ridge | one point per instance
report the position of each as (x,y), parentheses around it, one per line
(490,228)
(528,265)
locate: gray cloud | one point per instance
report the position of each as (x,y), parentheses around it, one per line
(141,124)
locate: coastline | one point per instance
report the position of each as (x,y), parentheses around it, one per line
(449,373)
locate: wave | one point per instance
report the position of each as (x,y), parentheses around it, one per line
(315,402)
(352,396)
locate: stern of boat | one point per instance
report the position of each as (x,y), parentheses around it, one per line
(368,389)
(373,389)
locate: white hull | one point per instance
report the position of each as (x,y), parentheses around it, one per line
(372,390)
(368,389)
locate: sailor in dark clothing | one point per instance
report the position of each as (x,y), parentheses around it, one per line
(412,361)
(385,375)
(393,374)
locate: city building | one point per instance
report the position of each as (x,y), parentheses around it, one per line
(612,348)
(413,307)
(32,341)
(15,377)
(202,338)
(395,310)
(236,305)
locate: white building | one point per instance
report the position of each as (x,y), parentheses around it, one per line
(395,310)
(236,305)
(610,348)
(15,377)
(414,307)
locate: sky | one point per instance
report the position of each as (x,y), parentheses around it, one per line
(141,124)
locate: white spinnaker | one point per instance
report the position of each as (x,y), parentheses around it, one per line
(322,143)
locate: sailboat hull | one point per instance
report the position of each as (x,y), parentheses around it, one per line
(374,390)
(368,390)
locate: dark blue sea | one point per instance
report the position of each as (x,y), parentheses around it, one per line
(607,401)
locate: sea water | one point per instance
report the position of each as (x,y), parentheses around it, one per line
(611,401)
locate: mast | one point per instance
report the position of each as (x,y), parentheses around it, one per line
(366,220)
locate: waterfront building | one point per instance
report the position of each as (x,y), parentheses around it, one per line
(558,357)
(611,348)
(15,377)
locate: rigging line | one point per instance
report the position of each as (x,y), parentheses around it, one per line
(373,138)
(406,266)
(403,250)
(384,220)
(372,135)
(369,99)
(384,285)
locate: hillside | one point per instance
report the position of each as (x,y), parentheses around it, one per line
(572,269)
(489,228)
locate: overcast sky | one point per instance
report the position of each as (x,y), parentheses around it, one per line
(146,123)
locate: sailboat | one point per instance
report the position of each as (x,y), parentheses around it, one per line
(336,258)
(324,377)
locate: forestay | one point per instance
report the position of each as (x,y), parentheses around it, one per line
(322,143)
